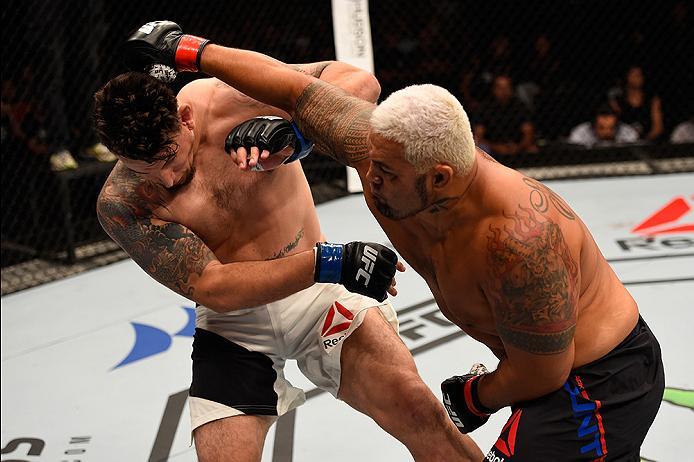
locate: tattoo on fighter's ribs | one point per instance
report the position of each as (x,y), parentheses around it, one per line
(169,252)
(289,247)
(534,283)
(337,122)
(541,196)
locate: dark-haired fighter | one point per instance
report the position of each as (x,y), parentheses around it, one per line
(243,245)
(505,257)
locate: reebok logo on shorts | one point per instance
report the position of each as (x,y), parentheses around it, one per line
(506,443)
(335,326)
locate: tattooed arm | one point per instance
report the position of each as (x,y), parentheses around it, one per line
(177,258)
(532,290)
(335,120)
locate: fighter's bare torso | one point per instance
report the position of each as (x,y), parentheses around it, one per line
(240,216)
(461,265)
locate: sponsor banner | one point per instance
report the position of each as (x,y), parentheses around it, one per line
(352,35)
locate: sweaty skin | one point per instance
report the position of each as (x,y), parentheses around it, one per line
(506,259)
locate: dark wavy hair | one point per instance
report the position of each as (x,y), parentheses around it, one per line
(136,116)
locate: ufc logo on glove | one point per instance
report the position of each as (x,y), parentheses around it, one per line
(369,259)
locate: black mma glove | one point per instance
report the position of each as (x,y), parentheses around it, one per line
(269,133)
(364,268)
(462,402)
(163,42)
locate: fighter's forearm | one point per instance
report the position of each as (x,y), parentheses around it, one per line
(234,286)
(335,120)
(259,76)
(338,122)
(508,385)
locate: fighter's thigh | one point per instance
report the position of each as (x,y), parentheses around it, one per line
(375,362)
(239,438)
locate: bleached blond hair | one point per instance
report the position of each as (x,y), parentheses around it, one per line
(430,123)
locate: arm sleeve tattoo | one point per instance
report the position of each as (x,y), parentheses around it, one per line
(337,122)
(534,283)
(169,252)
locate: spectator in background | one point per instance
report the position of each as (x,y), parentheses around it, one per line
(638,106)
(604,130)
(503,125)
(540,73)
(26,137)
(478,74)
(683,132)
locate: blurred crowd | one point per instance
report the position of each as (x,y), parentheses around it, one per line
(582,74)
(579,73)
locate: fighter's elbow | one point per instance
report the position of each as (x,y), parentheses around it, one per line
(557,376)
(369,88)
(558,380)
(359,83)
(212,291)
(217,301)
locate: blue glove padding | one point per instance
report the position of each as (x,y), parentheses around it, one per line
(302,147)
(461,400)
(270,133)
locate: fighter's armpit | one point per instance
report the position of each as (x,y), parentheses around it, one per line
(337,122)
(533,282)
(169,252)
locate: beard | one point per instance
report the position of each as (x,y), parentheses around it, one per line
(400,214)
(185,181)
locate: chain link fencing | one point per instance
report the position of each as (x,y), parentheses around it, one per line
(530,74)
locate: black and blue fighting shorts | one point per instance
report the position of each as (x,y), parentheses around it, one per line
(602,413)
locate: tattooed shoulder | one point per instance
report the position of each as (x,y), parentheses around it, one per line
(532,285)
(541,197)
(169,252)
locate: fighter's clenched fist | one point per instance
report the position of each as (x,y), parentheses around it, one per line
(365,268)
(163,42)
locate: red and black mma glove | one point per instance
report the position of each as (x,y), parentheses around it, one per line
(364,268)
(462,402)
(163,42)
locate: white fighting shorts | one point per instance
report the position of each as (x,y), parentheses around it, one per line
(239,357)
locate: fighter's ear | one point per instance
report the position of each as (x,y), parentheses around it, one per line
(185,113)
(441,175)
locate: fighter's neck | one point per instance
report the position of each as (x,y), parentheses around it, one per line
(453,208)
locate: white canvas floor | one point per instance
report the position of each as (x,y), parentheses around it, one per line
(96,367)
